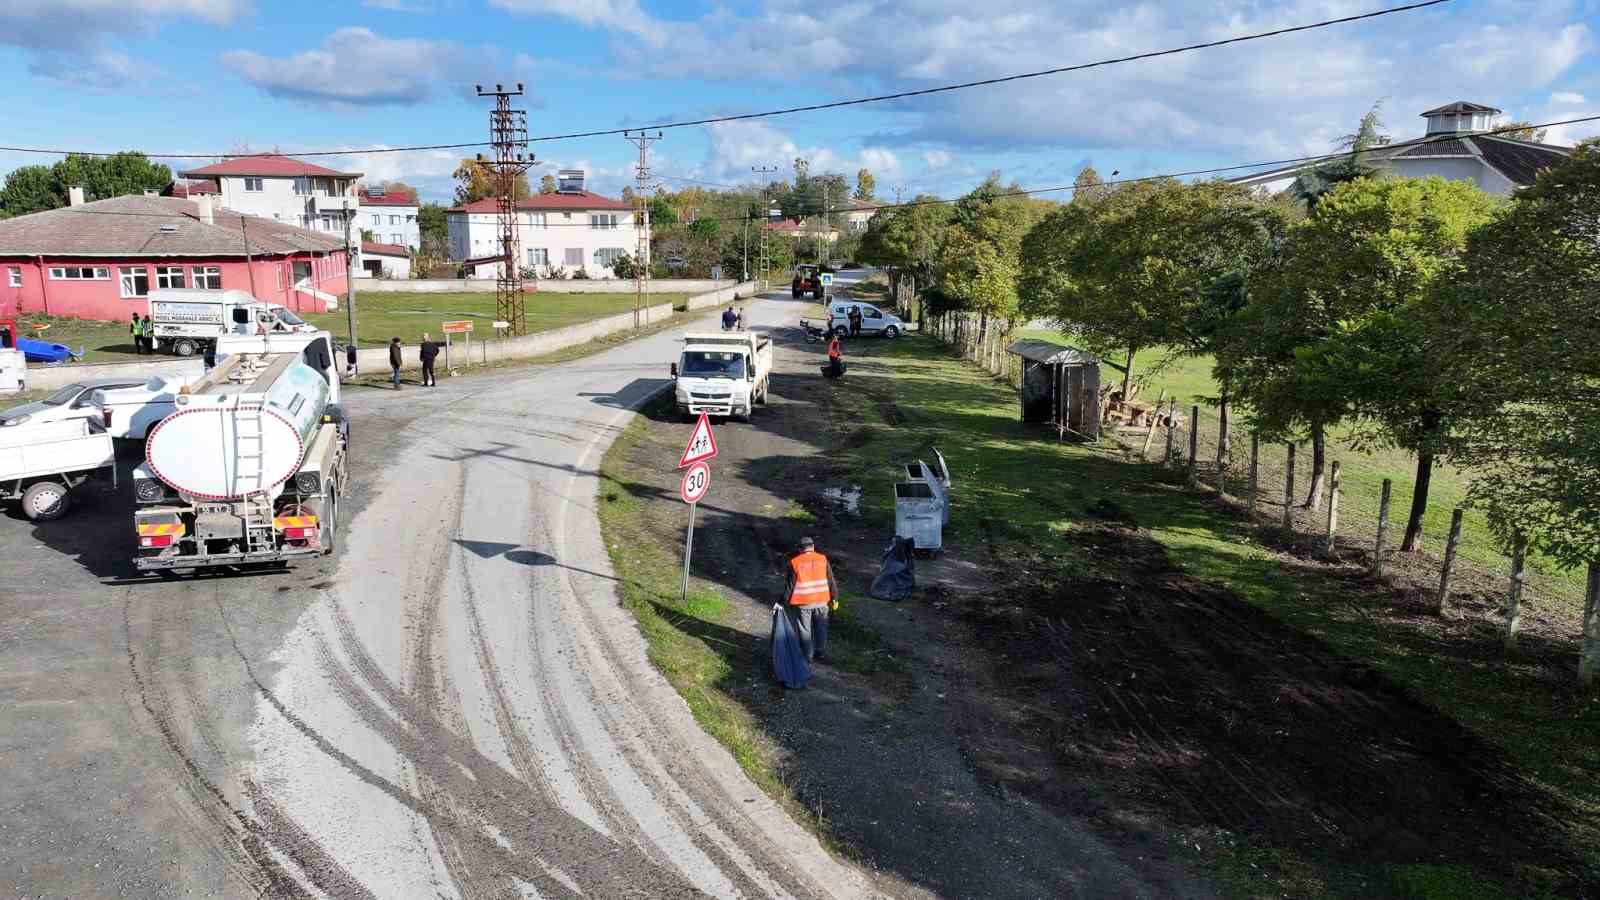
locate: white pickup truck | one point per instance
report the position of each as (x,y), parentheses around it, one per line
(186,322)
(722,373)
(41,462)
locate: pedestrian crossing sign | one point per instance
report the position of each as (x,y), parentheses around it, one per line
(827,278)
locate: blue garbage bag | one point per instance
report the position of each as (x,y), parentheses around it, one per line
(788,658)
(897,576)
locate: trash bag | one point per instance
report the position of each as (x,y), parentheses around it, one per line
(834,369)
(897,576)
(788,658)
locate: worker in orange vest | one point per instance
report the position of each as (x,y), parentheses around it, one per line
(811,591)
(835,358)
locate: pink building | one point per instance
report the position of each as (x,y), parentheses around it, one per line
(99,260)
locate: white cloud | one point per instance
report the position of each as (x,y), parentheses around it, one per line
(404,6)
(357,65)
(1567,98)
(935,159)
(622,16)
(737,147)
(65,40)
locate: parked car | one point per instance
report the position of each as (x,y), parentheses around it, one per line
(130,412)
(71,402)
(873,320)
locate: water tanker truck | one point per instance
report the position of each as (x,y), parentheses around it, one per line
(250,465)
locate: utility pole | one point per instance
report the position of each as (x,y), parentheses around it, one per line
(762,259)
(824,230)
(508,132)
(641,219)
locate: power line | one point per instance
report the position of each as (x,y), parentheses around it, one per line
(835,104)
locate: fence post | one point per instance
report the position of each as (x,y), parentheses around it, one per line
(1333,505)
(1288,491)
(1449,561)
(1194,444)
(1589,658)
(1222,453)
(1383,526)
(1144,452)
(1172,410)
(1519,558)
(1255,468)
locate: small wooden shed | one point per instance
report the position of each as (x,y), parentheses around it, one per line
(1060,387)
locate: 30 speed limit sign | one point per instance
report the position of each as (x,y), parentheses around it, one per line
(695,483)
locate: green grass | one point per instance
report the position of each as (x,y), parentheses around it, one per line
(101,342)
(383,315)
(1016,485)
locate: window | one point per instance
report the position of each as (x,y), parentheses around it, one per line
(252,185)
(302,186)
(377,219)
(169,276)
(16,276)
(603,221)
(208,278)
(397,239)
(135,281)
(538,256)
(327,222)
(394,220)
(574,256)
(605,256)
(76,273)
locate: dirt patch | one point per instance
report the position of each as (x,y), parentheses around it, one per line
(1210,712)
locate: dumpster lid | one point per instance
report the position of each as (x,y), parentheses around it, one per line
(943,470)
(913,490)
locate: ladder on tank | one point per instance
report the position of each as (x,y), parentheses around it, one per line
(249,451)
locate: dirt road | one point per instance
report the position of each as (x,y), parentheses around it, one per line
(455,706)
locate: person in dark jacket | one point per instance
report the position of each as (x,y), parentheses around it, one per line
(395,360)
(148,329)
(429,351)
(855,321)
(729,319)
(349,360)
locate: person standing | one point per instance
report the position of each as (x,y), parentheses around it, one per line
(209,356)
(428,351)
(729,319)
(148,329)
(136,331)
(395,360)
(835,357)
(811,591)
(349,360)
(855,321)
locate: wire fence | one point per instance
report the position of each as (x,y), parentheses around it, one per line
(1319,512)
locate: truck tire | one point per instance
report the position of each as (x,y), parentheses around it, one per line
(45,501)
(184,347)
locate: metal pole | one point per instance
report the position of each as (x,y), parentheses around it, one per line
(1333,505)
(688,551)
(1449,560)
(350,273)
(1383,526)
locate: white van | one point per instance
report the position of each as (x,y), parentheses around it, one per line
(873,320)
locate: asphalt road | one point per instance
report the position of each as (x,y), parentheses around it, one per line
(454,706)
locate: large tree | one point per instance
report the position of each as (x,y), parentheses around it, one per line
(476,180)
(979,264)
(30,189)
(866,185)
(35,188)
(547,184)
(905,241)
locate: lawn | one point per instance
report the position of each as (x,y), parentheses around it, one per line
(1018,489)
(383,315)
(101,342)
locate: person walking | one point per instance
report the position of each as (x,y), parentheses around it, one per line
(136,331)
(395,360)
(428,351)
(811,591)
(729,319)
(855,321)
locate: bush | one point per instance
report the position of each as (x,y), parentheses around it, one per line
(581,275)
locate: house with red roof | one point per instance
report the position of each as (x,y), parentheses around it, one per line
(390,216)
(100,260)
(285,189)
(558,234)
(385,260)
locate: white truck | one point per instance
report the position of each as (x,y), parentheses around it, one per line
(186,322)
(41,462)
(723,373)
(251,465)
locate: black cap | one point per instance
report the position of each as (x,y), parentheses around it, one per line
(807,543)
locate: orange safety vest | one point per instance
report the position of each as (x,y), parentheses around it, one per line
(834,351)
(810,579)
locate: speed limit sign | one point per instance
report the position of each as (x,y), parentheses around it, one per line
(695,483)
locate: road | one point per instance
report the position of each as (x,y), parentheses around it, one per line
(454,706)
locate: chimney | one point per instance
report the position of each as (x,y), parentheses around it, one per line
(204,203)
(75,195)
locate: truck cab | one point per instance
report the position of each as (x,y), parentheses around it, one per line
(807,280)
(722,373)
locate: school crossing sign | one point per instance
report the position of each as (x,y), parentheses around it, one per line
(702,443)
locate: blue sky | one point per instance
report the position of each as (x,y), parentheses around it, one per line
(213,75)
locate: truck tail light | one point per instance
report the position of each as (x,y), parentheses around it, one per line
(298,534)
(105,416)
(157,540)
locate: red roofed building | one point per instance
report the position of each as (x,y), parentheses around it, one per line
(100,260)
(558,234)
(391,216)
(191,189)
(285,189)
(385,260)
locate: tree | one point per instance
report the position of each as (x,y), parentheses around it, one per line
(1318,181)
(627,194)
(121,174)
(30,189)
(979,265)
(1088,186)
(662,212)
(475,181)
(433,224)
(1522,131)
(625,266)
(866,185)
(547,184)
(905,240)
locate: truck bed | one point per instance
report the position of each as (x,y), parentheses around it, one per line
(53,448)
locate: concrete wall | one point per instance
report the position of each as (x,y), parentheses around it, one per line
(722,295)
(49,378)
(558,286)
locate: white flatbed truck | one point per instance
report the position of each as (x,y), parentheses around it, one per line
(42,462)
(722,373)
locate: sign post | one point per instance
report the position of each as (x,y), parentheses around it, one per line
(702,447)
(461,326)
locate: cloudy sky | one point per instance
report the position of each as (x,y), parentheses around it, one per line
(207,76)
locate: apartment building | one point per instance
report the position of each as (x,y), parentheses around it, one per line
(390,216)
(557,233)
(285,189)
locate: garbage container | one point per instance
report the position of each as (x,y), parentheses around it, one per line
(919,515)
(937,477)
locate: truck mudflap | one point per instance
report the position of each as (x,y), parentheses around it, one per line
(210,560)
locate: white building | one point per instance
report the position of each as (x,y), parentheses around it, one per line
(558,233)
(385,260)
(1455,147)
(391,216)
(286,189)
(859,214)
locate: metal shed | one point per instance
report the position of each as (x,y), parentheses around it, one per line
(1060,387)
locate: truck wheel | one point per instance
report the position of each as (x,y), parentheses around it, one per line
(45,501)
(184,348)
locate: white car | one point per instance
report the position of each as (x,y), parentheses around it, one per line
(130,412)
(873,320)
(74,401)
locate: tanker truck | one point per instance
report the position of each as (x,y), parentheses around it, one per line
(250,465)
